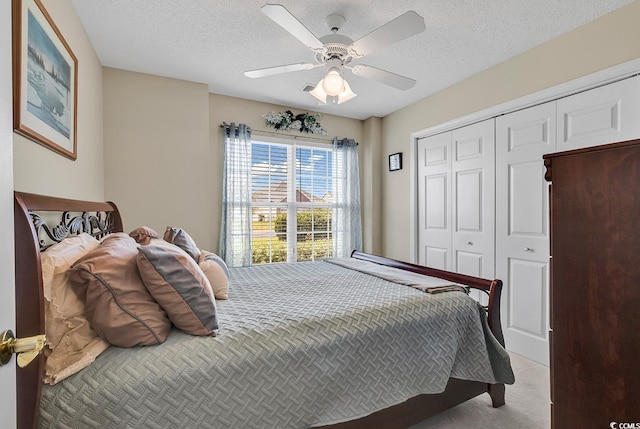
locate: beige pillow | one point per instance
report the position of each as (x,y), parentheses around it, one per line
(217,272)
(180,286)
(180,238)
(118,305)
(143,235)
(71,342)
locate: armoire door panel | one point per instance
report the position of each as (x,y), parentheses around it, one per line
(601,115)
(527,199)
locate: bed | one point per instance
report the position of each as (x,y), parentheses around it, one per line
(357,350)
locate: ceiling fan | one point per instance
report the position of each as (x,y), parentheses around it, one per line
(337,51)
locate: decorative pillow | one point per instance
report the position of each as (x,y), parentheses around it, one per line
(71,342)
(118,305)
(143,235)
(217,272)
(180,238)
(180,286)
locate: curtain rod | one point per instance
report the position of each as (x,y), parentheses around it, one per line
(294,136)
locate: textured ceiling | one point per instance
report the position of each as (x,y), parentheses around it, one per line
(215,41)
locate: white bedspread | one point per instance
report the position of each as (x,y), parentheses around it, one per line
(299,345)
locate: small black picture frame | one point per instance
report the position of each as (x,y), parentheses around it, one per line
(395,161)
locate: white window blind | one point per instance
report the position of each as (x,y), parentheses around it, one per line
(290,202)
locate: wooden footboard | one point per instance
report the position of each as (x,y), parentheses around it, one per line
(34,233)
(457,391)
(493,288)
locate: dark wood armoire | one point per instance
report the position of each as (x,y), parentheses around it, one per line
(595,286)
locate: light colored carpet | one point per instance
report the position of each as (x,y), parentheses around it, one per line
(527,404)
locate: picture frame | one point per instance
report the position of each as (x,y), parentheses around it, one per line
(45,80)
(395,161)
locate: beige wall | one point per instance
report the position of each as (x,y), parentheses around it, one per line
(38,169)
(608,41)
(238,110)
(371,180)
(159,165)
(164,150)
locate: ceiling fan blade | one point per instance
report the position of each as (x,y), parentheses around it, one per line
(382,76)
(269,71)
(286,20)
(406,25)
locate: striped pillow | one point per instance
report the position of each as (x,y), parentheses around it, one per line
(180,287)
(180,238)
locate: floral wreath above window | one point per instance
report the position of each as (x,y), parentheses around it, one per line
(302,122)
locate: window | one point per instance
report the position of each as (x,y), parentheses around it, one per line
(290,202)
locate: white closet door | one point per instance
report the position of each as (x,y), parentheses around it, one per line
(434,201)
(522,227)
(473,200)
(601,115)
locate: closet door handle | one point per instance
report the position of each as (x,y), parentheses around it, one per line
(469,243)
(528,249)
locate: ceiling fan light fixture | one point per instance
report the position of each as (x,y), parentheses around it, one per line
(333,82)
(319,93)
(347,94)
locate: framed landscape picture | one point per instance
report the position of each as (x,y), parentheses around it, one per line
(45,73)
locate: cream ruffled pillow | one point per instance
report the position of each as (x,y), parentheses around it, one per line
(217,272)
(71,342)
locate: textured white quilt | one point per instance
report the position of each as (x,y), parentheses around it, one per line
(299,345)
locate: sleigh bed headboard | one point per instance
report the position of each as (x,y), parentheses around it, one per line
(39,222)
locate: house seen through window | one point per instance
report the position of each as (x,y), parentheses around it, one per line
(290,202)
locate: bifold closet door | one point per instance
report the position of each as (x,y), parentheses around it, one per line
(456,200)
(473,200)
(434,201)
(522,227)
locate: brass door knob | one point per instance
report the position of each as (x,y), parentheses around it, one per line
(26,348)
